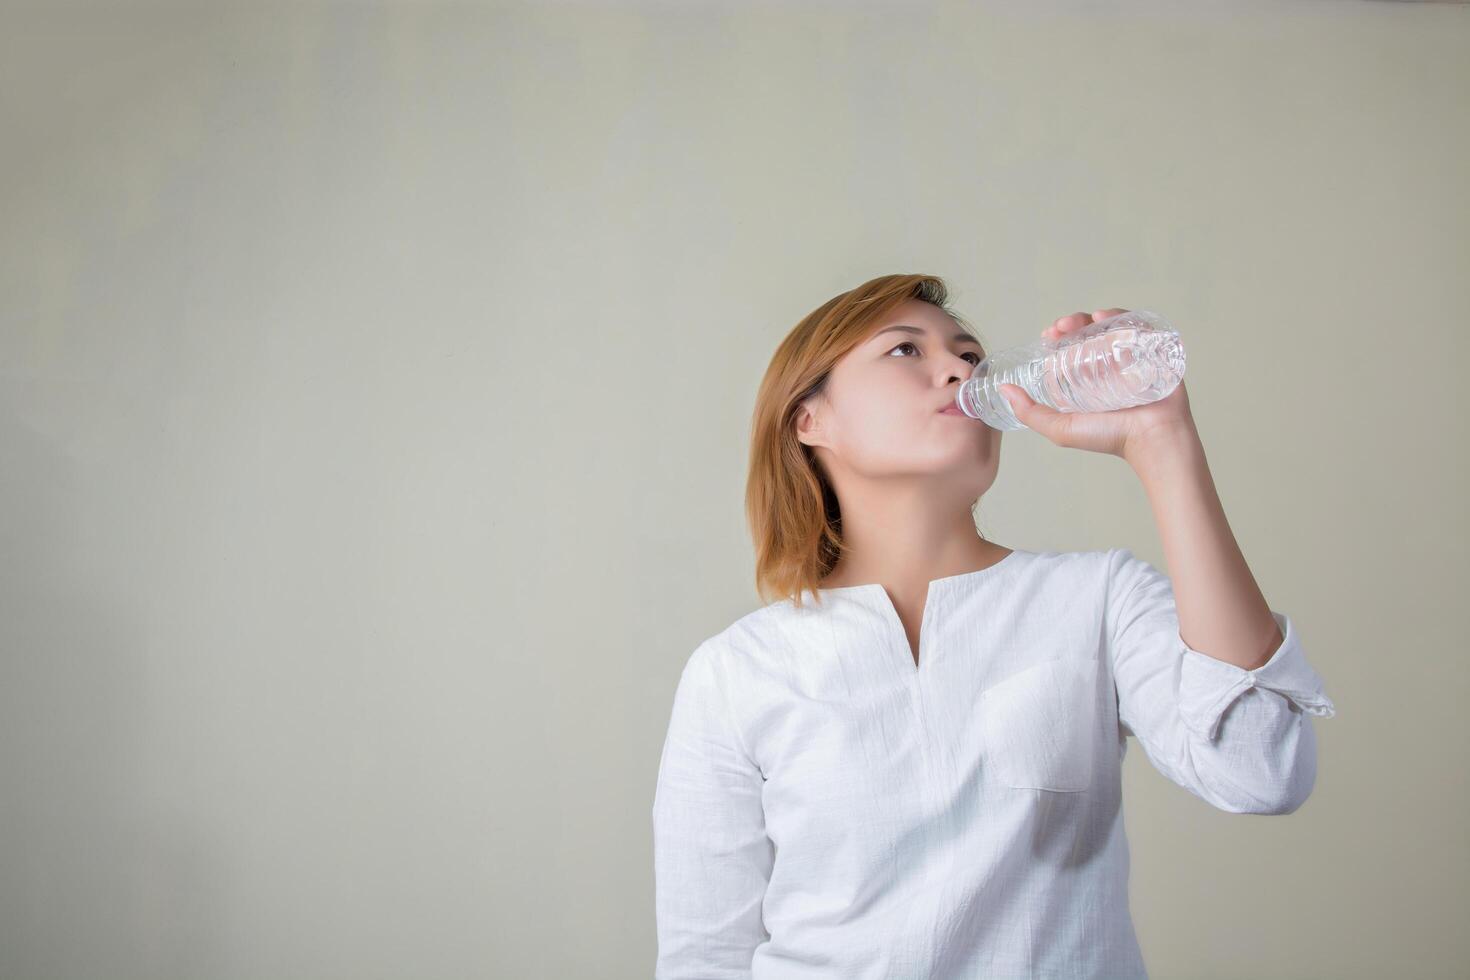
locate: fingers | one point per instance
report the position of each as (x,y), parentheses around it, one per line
(1076,321)
(1020,402)
(1063,325)
(1040,418)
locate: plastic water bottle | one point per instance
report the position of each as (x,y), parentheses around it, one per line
(1127,359)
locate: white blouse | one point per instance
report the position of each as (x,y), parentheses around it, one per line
(827,808)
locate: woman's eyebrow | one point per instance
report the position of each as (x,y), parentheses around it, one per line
(961,336)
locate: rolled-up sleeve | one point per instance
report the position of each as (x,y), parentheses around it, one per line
(1242,740)
(712,858)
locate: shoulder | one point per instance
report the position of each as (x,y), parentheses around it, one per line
(767,645)
(1126,570)
(1095,560)
(1115,573)
(1080,567)
(748,633)
(758,633)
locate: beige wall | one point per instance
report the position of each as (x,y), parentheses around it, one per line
(373,398)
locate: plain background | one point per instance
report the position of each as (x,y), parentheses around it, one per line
(374,398)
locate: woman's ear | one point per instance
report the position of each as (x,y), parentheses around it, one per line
(808,424)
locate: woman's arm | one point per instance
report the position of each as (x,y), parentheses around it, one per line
(1222,612)
(1212,681)
(711,856)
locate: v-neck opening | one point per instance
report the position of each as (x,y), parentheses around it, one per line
(931,590)
(915,663)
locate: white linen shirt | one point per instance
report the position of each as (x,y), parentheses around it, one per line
(825,807)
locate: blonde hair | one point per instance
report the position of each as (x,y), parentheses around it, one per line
(790,504)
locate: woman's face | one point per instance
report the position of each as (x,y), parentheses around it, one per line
(879,415)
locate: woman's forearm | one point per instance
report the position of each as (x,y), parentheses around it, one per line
(1222,612)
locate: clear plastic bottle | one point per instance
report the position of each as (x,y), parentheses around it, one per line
(1127,359)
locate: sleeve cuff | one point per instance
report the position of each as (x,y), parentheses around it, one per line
(1209,686)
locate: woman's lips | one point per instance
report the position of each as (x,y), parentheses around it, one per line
(952,409)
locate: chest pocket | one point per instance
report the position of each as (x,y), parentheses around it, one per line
(1039,725)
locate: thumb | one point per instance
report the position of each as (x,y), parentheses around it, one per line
(1021,403)
(1038,417)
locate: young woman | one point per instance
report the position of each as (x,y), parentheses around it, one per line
(909,764)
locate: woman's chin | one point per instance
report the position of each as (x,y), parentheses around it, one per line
(962,456)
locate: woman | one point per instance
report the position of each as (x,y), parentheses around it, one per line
(909,765)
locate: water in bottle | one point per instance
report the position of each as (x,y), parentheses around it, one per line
(1128,359)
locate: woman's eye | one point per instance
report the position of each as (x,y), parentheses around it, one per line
(910,343)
